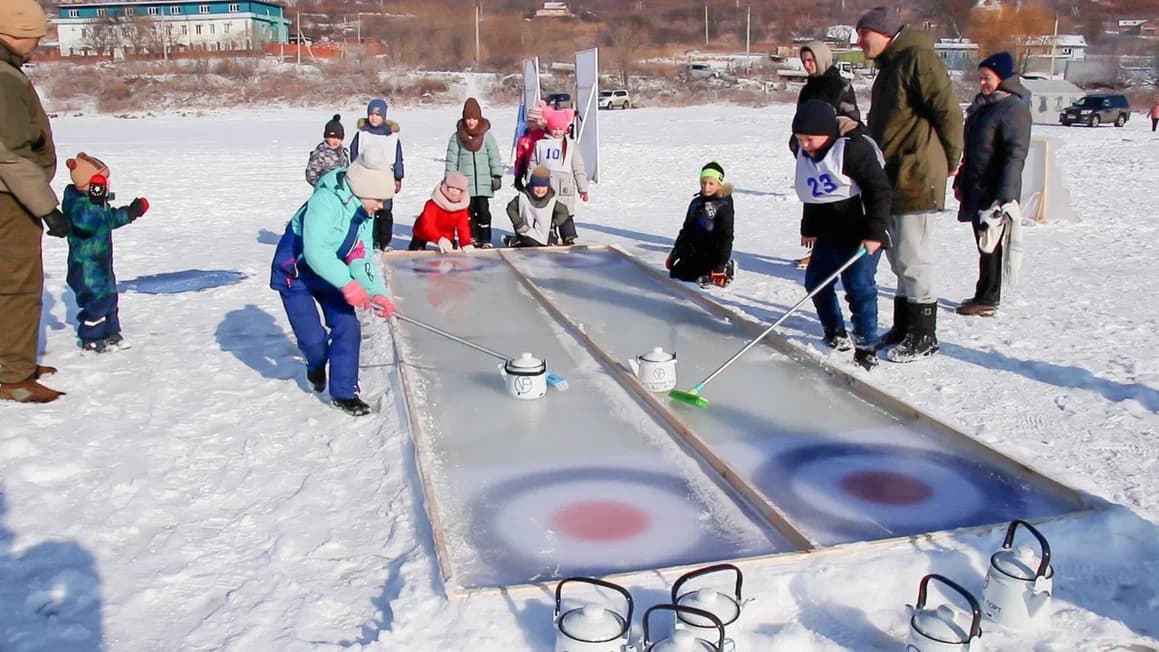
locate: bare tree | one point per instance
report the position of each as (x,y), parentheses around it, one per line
(104,35)
(624,39)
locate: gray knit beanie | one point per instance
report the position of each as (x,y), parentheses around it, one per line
(881,20)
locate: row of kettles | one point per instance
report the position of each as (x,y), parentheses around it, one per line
(1015,595)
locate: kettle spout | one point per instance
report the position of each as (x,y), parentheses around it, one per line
(1036,602)
(634,366)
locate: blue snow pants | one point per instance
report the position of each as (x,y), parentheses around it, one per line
(340,346)
(860,283)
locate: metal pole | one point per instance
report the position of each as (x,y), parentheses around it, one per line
(298,45)
(706,24)
(478,10)
(748,25)
(1053,43)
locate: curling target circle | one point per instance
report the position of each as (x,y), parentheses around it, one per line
(452,264)
(588,520)
(855,489)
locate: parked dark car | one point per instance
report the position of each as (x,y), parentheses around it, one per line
(558,100)
(1094,110)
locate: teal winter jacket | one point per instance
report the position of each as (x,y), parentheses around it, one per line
(327,218)
(90,244)
(478,166)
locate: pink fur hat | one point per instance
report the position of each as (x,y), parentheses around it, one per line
(558,118)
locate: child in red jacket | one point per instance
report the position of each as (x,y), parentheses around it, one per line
(445,216)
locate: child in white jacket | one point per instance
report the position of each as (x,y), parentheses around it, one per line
(560,154)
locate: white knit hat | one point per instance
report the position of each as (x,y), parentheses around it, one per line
(371,176)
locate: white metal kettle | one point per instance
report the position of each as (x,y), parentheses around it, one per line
(935,630)
(726,608)
(592,627)
(1019,584)
(526,376)
(684,640)
(656,369)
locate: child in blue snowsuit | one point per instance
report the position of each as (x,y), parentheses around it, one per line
(323,261)
(376,131)
(90,251)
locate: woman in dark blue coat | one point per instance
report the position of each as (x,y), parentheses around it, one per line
(997,137)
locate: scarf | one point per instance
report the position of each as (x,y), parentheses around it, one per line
(472,140)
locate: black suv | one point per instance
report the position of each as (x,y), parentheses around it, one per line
(1093,110)
(559,100)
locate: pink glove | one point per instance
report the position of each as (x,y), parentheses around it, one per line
(356,295)
(584,196)
(382,306)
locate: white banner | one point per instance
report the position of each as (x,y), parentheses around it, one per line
(587,134)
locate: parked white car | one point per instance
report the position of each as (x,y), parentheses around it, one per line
(615,99)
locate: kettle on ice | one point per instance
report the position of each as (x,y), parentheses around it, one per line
(655,369)
(684,640)
(592,627)
(1019,583)
(937,630)
(725,607)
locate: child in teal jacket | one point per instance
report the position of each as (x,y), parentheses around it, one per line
(90,251)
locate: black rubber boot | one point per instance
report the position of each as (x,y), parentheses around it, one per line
(900,326)
(567,232)
(921,341)
(353,406)
(317,378)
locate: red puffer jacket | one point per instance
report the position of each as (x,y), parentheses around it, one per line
(442,219)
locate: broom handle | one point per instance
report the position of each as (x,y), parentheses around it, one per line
(832,277)
(438,331)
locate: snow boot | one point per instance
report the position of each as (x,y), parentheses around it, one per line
(42,371)
(96,346)
(730,270)
(865,358)
(116,343)
(28,391)
(974,308)
(921,341)
(900,327)
(317,378)
(803,263)
(837,339)
(353,406)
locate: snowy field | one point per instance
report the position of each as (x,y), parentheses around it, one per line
(191,494)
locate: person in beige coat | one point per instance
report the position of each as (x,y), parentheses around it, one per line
(27,205)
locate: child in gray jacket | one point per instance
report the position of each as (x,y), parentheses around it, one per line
(330,153)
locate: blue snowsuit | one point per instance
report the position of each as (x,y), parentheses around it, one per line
(326,245)
(90,263)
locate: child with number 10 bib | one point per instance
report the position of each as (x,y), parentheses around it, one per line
(560,154)
(842,182)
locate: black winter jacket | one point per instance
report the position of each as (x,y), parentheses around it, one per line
(864,217)
(707,230)
(831,88)
(997,139)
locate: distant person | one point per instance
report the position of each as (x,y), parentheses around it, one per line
(535,130)
(322,262)
(376,131)
(914,117)
(1154,116)
(445,219)
(90,251)
(473,151)
(841,181)
(28,206)
(330,153)
(702,252)
(562,156)
(535,212)
(825,83)
(997,137)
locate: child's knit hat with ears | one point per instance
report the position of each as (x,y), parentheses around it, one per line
(557,118)
(83,167)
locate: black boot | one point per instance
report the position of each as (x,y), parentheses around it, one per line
(900,326)
(921,341)
(865,358)
(838,339)
(353,406)
(317,378)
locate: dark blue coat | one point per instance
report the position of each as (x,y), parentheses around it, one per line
(997,137)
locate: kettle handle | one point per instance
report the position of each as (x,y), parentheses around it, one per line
(705,571)
(975,610)
(607,585)
(1044,547)
(692,611)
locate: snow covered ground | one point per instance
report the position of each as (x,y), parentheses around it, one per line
(190,494)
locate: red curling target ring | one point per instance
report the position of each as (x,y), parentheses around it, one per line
(589,521)
(452,264)
(858,491)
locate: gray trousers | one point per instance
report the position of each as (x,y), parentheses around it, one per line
(910,256)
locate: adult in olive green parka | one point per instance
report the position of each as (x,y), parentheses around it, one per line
(27,165)
(915,119)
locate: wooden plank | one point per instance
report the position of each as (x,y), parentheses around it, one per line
(871,394)
(680,431)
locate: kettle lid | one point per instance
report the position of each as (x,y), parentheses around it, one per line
(681,640)
(724,607)
(525,362)
(939,625)
(1021,563)
(658,354)
(592,624)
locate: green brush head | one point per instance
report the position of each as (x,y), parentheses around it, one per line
(691,398)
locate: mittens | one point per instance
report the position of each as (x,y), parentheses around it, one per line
(57,223)
(445,246)
(496,183)
(382,307)
(356,295)
(138,207)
